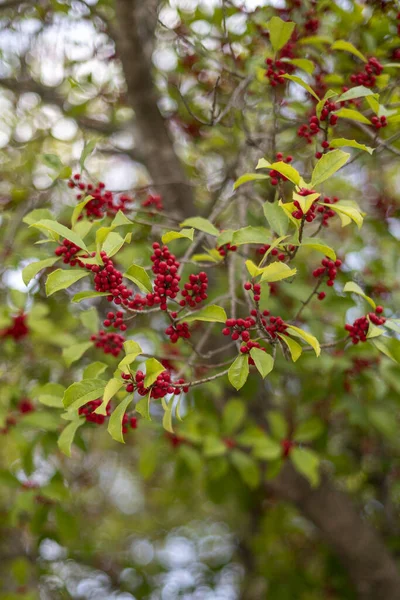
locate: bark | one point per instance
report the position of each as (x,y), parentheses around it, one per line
(370,566)
(134,37)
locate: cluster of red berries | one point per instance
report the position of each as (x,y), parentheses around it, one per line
(160,388)
(315,209)
(223,250)
(378,123)
(68,250)
(307,131)
(112,343)
(273,325)
(287,446)
(239,328)
(310,214)
(256,288)
(367,77)
(276,69)
(311,25)
(18,329)
(178,330)
(88,411)
(108,279)
(195,291)
(328,269)
(104,201)
(166,284)
(358,331)
(153,202)
(329,107)
(116,320)
(275,175)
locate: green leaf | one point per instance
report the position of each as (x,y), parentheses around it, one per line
(250,235)
(113,386)
(143,407)
(191,458)
(176,235)
(277,424)
(132,351)
(52,161)
(352,288)
(46,421)
(57,228)
(253,269)
(301,63)
(93,370)
(294,348)
(201,224)
(213,446)
(352,115)
(287,171)
(114,242)
(309,430)
(276,217)
(348,47)
(115,423)
(307,337)
(263,164)
(277,271)
(306,462)
(265,448)
(87,295)
(212,314)
(139,277)
(322,102)
(67,436)
(342,142)
(167,417)
(239,371)
(153,370)
(36,215)
(328,165)
(75,352)
(263,361)
(280,32)
(319,246)
(347,214)
(29,272)
(62,279)
(246,177)
(78,210)
(81,392)
(233,416)
(90,319)
(384,421)
(302,83)
(247,467)
(87,150)
(305,201)
(356,92)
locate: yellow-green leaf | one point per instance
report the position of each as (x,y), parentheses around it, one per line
(113,386)
(212,314)
(139,277)
(280,32)
(250,235)
(58,229)
(307,463)
(352,288)
(170,236)
(78,210)
(288,171)
(353,115)
(67,436)
(143,407)
(73,353)
(31,270)
(153,370)
(62,279)
(307,337)
(320,246)
(201,224)
(239,371)
(348,47)
(115,423)
(328,165)
(342,142)
(263,164)
(276,217)
(246,177)
(277,271)
(294,348)
(356,92)
(303,84)
(263,361)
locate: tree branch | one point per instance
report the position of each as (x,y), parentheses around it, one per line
(134,40)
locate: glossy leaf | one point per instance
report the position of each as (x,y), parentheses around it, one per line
(263,361)
(201,224)
(115,422)
(62,279)
(211,313)
(140,277)
(328,165)
(239,371)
